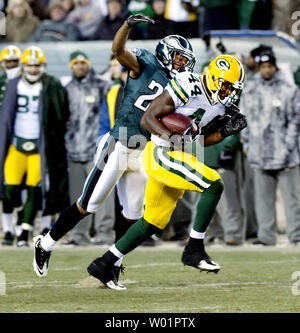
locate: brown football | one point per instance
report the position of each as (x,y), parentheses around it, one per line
(176,122)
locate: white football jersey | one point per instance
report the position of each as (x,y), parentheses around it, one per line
(190,99)
(27,125)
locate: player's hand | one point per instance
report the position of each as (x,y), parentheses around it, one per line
(139,18)
(190,135)
(234,125)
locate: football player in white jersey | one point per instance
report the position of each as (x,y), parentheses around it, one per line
(32,120)
(209,101)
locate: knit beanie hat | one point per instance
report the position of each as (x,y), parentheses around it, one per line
(78,56)
(267,57)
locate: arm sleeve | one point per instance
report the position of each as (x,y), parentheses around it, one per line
(293,118)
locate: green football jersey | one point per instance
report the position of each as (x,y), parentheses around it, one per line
(138,94)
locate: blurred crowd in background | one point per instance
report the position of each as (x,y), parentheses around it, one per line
(73,20)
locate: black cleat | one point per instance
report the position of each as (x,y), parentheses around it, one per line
(117,270)
(8,239)
(40,258)
(198,258)
(105,273)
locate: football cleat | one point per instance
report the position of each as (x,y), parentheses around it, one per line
(8,239)
(40,258)
(199,259)
(105,273)
(117,270)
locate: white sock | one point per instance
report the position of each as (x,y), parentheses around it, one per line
(7,222)
(48,243)
(196,234)
(116,252)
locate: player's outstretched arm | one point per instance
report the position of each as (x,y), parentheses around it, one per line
(125,57)
(159,107)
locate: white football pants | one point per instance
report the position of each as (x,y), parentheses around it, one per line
(115,164)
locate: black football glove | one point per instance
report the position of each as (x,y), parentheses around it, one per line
(138,18)
(234,125)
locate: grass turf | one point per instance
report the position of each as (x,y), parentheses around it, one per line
(250,281)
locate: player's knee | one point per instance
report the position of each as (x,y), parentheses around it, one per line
(216,187)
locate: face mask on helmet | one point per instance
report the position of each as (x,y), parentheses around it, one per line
(33,64)
(33,73)
(10,61)
(12,73)
(175,53)
(224,80)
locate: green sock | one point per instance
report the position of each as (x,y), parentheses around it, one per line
(135,235)
(207,205)
(32,204)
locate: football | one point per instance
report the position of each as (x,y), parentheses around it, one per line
(176,122)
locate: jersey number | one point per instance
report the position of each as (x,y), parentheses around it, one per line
(143,101)
(23,103)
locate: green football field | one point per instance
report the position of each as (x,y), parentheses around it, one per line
(250,281)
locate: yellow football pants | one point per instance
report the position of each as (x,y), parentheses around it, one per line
(17,164)
(170,174)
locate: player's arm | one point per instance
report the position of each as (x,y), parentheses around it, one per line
(235,124)
(212,139)
(159,107)
(125,57)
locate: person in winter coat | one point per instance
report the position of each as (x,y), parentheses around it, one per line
(57,28)
(272,106)
(20,22)
(86,94)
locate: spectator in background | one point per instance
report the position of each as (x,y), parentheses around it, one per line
(57,28)
(272,106)
(219,15)
(69,5)
(181,16)
(86,16)
(20,22)
(252,68)
(32,120)
(10,58)
(157,30)
(245,10)
(86,93)
(262,15)
(109,25)
(143,7)
(225,157)
(39,9)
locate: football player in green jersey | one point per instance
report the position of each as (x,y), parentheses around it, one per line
(119,151)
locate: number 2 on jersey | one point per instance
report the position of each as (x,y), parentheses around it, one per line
(143,101)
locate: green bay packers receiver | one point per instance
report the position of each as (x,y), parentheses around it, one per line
(206,99)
